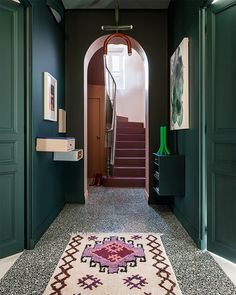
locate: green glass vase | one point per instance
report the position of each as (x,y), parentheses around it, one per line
(163,150)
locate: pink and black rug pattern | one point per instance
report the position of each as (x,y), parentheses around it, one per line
(113,254)
(114,264)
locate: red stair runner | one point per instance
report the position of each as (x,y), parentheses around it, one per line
(129,168)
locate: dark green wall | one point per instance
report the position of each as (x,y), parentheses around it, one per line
(48,188)
(82,29)
(184,22)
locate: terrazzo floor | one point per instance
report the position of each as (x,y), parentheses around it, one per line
(117,210)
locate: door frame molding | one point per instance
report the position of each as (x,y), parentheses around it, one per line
(202,127)
(28,118)
(28,123)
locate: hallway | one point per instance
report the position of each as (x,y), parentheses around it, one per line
(114,210)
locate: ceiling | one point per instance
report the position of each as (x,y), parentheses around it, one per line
(110,4)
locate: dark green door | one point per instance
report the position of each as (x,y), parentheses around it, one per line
(221,128)
(11,128)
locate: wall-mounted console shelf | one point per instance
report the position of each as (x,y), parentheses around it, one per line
(72,156)
(169,175)
(56,144)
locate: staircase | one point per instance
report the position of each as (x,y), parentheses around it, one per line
(129,166)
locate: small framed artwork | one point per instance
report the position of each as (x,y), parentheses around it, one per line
(50,97)
(179,87)
(61,121)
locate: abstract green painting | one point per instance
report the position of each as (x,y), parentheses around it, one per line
(179,87)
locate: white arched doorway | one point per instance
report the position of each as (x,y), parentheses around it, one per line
(95,46)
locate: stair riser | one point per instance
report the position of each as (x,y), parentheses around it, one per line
(130,137)
(130,131)
(129,125)
(124,182)
(130,153)
(130,144)
(126,172)
(130,162)
(122,119)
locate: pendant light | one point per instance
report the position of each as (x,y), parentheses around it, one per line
(117,28)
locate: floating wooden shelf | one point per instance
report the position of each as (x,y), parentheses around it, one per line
(72,156)
(56,144)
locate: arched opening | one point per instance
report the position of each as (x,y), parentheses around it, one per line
(95,47)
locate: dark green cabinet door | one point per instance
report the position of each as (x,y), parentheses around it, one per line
(11,128)
(221,128)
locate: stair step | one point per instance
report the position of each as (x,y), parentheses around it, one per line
(130,137)
(124,182)
(129,171)
(129,125)
(130,130)
(130,144)
(130,162)
(130,152)
(122,119)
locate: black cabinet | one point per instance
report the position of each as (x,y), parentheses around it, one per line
(169,175)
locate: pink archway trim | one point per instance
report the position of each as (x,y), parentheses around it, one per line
(94,47)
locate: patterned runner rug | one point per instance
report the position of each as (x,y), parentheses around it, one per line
(114,264)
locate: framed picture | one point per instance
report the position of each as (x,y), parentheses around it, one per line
(179,87)
(50,97)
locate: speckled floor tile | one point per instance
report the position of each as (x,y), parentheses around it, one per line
(117,210)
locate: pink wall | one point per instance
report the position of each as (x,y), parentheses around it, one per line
(131,100)
(96,69)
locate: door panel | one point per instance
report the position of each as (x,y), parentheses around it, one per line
(96,130)
(94,136)
(221,128)
(11,128)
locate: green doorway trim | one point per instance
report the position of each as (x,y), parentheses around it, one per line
(202,127)
(202,132)
(28,118)
(28,122)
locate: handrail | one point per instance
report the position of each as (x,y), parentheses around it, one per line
(114,97)
(112,129)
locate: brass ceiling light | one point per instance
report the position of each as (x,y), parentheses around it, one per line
(117,27)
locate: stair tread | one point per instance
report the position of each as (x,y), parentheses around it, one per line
(130,141)
(120,117)
(133,149)
(123,124)
(128,167)
(132,134)
(124,181)
(131,158)
(130,128)
(126,177)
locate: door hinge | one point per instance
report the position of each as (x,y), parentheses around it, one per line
(205,29)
